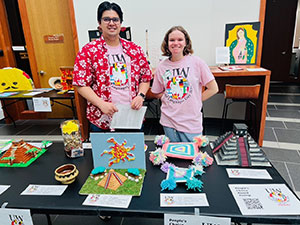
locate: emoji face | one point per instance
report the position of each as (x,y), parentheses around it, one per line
(13,79)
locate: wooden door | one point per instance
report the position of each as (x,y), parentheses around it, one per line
(49,37)
(280,17)
(6,54)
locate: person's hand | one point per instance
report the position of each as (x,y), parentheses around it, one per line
(137,102)
(108,108)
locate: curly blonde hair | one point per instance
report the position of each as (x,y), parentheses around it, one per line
(187,49)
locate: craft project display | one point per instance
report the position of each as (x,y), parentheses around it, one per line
(113,180)
(119,152)
(184,150)
(21,154)
(189,176)
(66,174)
(182,175)
(119,161)
(238,148)
(72,138)
(67,77)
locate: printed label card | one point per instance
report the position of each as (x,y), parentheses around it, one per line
(3,188)
(173,219)
(115,201)
(42,104)
(183,200)
(265,199)
(248,173)
(54,190)
(15,217)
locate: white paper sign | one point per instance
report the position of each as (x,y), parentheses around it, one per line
(173,219)
(222,55)
(256,69)
(15,216)
(87,145)
(248,173)
(128,118)
(33,93)
(18,48)
(265,199)
(183,200)
(53,190)
(42,104)
(115,201)
(3,188)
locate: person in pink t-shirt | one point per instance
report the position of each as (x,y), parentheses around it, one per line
(178,81)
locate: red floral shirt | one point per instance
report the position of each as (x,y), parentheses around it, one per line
(92,69)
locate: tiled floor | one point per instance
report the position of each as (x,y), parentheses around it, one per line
(282,132)
(281,144)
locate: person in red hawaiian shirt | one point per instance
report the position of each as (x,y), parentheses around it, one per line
(110,70)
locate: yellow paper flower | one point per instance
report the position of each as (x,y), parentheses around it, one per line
(69,127)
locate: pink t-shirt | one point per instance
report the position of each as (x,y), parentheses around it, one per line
(182,83)
(119,73)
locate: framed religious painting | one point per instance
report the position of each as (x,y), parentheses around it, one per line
(242,40)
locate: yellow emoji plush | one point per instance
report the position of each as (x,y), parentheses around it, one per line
(13,79)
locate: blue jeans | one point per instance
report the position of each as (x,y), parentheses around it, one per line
(94,128)
(178,136)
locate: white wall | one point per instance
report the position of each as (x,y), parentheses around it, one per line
(203,19)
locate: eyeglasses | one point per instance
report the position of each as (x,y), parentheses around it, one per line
(108,19)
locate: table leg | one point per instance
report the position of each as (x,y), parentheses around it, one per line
(73,108)
(264,110)
(8,115)
(48,219)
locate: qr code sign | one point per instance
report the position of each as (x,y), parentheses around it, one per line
(253,203)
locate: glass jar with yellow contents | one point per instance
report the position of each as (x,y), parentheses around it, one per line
(72,138)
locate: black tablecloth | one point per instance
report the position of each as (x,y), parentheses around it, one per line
(215,179)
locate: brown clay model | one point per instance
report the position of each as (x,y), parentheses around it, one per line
(20,154)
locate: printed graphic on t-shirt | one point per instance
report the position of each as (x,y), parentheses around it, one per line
(118,75)
(177,85)
(118,71)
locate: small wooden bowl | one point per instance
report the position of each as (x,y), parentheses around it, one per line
(66,174)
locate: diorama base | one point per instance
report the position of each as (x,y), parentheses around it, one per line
(129,187)
(2,164)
